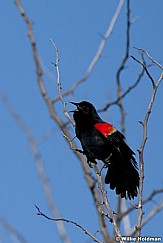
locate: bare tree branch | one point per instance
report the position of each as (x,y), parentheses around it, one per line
(59,83)
(98,53)
(12,230)
(69,221)
(141,149)
(61,124)
(106,203)
(71,140)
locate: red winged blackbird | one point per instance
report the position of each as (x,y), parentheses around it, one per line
(102,141)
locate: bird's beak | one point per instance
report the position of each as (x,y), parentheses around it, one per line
(76,104)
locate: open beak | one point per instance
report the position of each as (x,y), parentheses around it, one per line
(76,104)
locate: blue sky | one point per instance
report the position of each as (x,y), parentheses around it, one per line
(76,27)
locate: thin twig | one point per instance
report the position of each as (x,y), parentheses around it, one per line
(145,68)
(68,221)
(150,57)
(98,53)
(59,83)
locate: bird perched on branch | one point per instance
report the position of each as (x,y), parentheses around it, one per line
(101,140)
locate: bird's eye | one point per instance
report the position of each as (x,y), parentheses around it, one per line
(85,108)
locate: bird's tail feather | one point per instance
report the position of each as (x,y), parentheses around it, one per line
(123,177)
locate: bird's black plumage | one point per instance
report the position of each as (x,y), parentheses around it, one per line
(100,140)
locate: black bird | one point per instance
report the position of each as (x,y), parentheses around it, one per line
(101,140)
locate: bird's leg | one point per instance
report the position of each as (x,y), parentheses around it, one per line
(107,161)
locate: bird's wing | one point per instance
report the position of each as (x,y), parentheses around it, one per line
(114,137)
(109,131)
(105,128)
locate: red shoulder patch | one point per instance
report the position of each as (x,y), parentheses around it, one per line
(105,128)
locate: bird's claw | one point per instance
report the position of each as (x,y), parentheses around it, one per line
(91,162)
(80,151)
